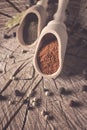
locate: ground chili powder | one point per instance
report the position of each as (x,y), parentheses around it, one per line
(47,57)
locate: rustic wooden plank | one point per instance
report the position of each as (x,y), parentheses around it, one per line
(65,115)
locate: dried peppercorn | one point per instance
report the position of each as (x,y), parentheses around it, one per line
(75,103)
(84,88)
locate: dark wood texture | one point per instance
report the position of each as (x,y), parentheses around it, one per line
(67,106)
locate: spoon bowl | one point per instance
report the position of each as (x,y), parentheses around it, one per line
(31,25)
(54,31)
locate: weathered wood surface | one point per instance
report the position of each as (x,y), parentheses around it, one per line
(13,111)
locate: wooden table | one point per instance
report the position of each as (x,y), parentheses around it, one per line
(20,84)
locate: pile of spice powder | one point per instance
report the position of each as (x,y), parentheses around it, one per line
(47,57)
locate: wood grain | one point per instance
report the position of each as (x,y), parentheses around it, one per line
(66,114)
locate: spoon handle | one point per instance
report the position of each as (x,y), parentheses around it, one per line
(60,14)
(43,3)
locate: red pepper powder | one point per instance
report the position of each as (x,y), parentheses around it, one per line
(47,57)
